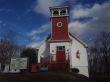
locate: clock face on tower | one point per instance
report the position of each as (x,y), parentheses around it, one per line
(59,24)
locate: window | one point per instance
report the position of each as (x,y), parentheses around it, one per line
(55,12)
(60,47)
(63,12)
(59,24)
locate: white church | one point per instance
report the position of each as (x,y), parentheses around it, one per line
(62,45)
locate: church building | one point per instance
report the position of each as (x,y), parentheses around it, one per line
(61,45)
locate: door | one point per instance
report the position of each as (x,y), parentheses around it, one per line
(60,56)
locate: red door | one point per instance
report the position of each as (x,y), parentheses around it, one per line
(60,56)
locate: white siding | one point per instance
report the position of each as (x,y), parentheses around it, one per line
(82,63)
(54,45)
(43,50)
(70,49)
(83,70)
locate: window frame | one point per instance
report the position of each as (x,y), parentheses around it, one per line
(60,48)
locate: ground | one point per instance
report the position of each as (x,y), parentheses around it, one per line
(44,77)
(101,78)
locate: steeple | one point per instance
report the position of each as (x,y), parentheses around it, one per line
(59,11)
(59,23)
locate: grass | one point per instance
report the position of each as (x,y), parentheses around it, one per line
(43,77)
(101,78)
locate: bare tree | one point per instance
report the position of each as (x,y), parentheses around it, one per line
(104,49)
(100,54)
(7,50)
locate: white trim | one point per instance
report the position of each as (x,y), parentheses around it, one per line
(59,11)
(59,24)
(51,12)
(60,16)
(67,11)
(82,42)
(58,7)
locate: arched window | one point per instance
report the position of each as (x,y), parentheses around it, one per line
(63,12)
(55,12)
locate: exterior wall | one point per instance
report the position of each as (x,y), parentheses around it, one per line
(59,33)
(70,49)
(55,44)
(43,50)
(82,63)
(83,70)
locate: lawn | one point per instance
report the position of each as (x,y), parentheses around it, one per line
(43,77)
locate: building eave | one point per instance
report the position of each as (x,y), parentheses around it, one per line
(69,40)
(58,7)
(79,40)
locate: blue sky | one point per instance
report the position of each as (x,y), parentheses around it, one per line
(27,22)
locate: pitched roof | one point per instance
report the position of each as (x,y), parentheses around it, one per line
(79,40)
(74,36)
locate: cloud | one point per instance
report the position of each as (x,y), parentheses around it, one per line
(100,14)
(79,11)
(36,34)
(36,38)
(41,29)
(77,27)
(34,45)
(42,6)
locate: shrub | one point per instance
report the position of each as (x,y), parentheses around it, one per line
(75,70)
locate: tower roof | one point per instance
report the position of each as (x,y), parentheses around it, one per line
(58,7)
(59,11)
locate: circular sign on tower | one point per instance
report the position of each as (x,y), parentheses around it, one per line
(59,24)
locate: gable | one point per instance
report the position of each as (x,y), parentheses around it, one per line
(78,39)
(73,36)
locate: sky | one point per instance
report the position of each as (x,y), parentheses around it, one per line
(27,22)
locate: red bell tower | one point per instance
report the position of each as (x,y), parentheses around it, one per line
(59,23)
